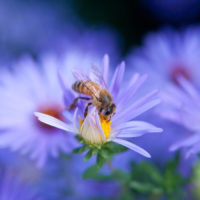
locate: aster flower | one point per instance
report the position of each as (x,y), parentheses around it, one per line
(24,90)
(182,105)
(167,54)
(96,131)
(12,188)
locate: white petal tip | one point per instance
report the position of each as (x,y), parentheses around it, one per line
(159,130)
(106,58)
(123,63)
(148,156)
(37,114)
(145,154)
(155,130)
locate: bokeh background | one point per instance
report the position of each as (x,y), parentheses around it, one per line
(84,30)
(36,26)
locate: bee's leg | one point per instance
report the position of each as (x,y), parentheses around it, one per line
(73,105)
(86,109)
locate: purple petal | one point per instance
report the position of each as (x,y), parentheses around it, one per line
(130,134)
(172,98)
(105,63)
(138,125)
(169,114)
(188,87)
(75,120)
(52,121)
(117,79)
(68,94)
(140,106)
(186,142)
(193,150)
(136,129)
(133,147)
(135,84)
(62,81)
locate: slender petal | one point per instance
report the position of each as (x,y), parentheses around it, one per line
(188,87)
(105,63)
(133,147)
(132,89)
(52,121)
(136,129)
(117,79)
(186,142)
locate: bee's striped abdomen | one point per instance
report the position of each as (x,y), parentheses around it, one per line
(85,87)
(76,86)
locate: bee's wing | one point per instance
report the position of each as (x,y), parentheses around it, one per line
(79,76)
(97,76)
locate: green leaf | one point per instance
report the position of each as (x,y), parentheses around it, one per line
(90,172)
(95,151)
(172,165)
(115,148)
(148,180)
(88,155)
(93,173)
(100,161)
(141,187)
(81,149)
(152,172)
(105,154)
(121,176)
(79,138)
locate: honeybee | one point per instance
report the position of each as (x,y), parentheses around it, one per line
(97,96)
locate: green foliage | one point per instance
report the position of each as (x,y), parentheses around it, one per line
(88,155)
(92,173)
(104,152)
(196,180)
(145,181)
(148,181)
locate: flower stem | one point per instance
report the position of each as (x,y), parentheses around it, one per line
(110,166)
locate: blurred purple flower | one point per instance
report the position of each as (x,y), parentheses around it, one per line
(20,22)
(167,54)
(24,90)
(96,131)
(12,188)
(44,22)
(28,89)
(182,105)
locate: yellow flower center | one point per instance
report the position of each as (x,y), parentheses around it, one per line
(92,135)
(105,126)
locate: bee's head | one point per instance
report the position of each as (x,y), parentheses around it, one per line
(108,112)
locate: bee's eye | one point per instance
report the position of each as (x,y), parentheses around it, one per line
(107,112)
